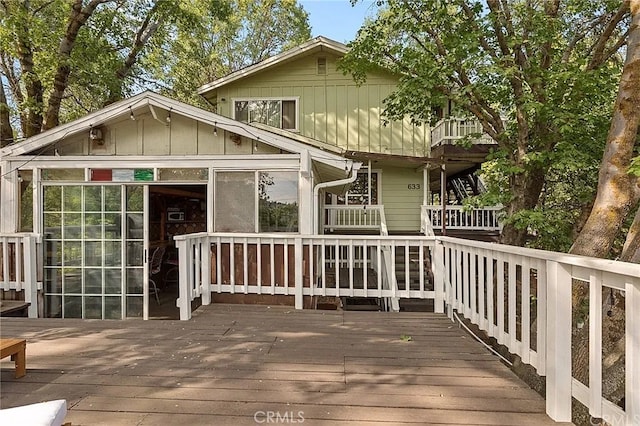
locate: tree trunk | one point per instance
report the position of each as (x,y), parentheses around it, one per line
(526,187)
(33,85)
(6,131)
(618,191)
(79,16)
(631,249)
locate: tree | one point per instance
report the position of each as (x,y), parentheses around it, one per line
(60,59)
(196,55)
(618,189)
(549,68)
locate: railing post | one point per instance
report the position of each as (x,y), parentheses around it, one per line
(632,348)
(30,274)
(558,348)
(299,265)
(205,275)
(437,266)
(184,299)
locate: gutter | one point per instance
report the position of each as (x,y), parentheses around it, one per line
(316,190)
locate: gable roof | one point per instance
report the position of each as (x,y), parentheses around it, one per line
(318,44)
(153,100)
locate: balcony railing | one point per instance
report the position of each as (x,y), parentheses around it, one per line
(353,217)
(463,218)
(449,130)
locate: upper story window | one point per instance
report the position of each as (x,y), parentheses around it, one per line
(281,113)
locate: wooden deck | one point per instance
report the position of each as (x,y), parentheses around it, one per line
(233,364)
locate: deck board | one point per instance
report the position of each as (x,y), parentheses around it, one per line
(233,361)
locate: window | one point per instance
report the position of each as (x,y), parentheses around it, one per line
(274,193)
(358,193)
(280,113)
(235,201)
(278,201)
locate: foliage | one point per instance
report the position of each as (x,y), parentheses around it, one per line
(539,76)
(196,55)
(122,47)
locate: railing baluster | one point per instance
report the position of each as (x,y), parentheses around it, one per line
(272,266)
(350,260)
(285,253)
(525,329)
(500,300)
(6,271)
(512,311)
(259,264)
(232,265)
(482,294)
(595,345)
(473,280)
(323,271)
(245,266)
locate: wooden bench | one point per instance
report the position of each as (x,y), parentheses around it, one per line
(17,349)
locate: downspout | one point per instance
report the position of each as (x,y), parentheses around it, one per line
(316,190)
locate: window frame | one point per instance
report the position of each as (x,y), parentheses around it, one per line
(295,99)
(256,223)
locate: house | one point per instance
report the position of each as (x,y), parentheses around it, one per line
(295,148)
(302,92)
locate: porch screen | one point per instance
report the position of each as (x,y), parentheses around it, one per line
(235,209)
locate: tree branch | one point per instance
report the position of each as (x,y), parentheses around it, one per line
(599,57)
(78,17)
(145,32)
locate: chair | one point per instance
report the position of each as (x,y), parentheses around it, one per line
(154,268)
(171,276)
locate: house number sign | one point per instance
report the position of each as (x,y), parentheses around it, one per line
(413,186)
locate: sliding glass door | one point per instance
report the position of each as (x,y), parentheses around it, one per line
(95,240)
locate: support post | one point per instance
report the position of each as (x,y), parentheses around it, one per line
(299,284)
(443,198)
(184,301)
(205,275)
(558,350)
(437,265)
(30,275)
(632,348)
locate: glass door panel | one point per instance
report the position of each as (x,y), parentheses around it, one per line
(93,258)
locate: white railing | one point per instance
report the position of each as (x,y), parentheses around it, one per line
(463,218)
(19,267)
(353,217)
(449,130)
(301,266)
(521,297)
(491,284)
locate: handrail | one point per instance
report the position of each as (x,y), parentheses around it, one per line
(448,130)
(353,216)
(464,218)
(19,266)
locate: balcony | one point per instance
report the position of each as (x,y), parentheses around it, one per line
(462,218)
(449,131)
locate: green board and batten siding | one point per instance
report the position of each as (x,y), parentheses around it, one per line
(332,108)
(147,136)
(401,190)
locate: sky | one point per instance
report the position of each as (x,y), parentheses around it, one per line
(337,19)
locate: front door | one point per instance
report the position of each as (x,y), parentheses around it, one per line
(95,242)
